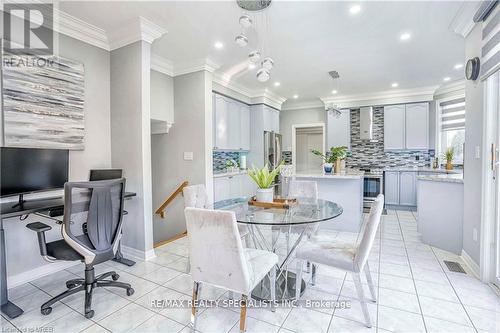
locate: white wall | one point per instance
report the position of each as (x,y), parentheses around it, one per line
(23,258)
(288,118)
(162,97)
(192,132)
(473,138)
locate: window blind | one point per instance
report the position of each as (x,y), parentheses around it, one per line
(452,114)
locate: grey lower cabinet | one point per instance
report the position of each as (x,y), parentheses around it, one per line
(400,188)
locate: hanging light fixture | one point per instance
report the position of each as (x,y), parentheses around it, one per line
(245,21)
(241,40)
(263,75)
(333,109)
(267,63)
(254,56)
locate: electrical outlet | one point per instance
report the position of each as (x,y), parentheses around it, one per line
(474,235)
(188,156)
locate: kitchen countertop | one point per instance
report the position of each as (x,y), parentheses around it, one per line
(348,174)
(445,178)
(424,169)
(228,174)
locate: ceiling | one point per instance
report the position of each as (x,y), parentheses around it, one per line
(306,40)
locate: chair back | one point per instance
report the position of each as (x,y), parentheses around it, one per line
(99,205)
(369,233)
(215,250)
(303,189)
(196,196)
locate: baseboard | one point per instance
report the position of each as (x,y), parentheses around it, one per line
(131,253)
(33,274)
(470,263)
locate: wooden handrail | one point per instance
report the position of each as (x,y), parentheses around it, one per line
(161,210)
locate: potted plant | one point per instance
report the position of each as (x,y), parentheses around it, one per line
(334,156)
(264,179)
(448,155)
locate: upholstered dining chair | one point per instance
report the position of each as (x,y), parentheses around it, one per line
(348,257)
(218,258)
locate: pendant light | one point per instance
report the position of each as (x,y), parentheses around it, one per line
(245,21)
(267,63)
(241,40)
(254,56)
(263,75)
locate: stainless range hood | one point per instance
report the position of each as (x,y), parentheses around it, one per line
(366,124)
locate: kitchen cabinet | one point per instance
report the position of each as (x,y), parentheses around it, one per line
(408,188)
(231,124)
(233,186)
(271,120)
(339,129)
(394,127)
(391,188)
(221,188)
(406,127)
(417,126)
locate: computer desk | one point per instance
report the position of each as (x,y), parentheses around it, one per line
(31,207)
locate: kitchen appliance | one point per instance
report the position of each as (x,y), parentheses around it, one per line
(366,124)
(272,155)
(373,185)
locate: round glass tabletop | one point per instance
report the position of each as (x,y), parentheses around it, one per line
(305,212)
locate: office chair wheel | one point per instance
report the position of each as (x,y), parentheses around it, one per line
(70,285)
(46,311)
(115,277)
(89,314)
(130,291)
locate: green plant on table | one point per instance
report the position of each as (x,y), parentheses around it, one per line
(264,178)
(449,154)
(333,154)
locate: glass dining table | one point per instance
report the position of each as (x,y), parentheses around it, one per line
(280,231)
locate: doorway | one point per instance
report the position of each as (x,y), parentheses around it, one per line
(305,139)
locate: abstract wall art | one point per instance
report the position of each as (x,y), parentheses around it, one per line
(43,102)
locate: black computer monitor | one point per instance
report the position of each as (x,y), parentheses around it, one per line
(28,170)
(105,174)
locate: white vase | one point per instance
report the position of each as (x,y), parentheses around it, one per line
(265,194)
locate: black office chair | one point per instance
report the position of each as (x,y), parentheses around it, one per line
(99,204)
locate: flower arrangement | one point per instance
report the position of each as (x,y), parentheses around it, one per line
(264,178)
(334,156)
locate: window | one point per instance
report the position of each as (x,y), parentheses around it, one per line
(452,128)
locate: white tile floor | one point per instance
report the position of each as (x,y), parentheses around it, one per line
(416,293)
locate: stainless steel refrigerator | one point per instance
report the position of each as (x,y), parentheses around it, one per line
(272,155)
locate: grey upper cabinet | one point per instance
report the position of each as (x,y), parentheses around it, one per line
(408,188)
(394,127)
(339,129)
(406,127)
(417,126)
(231,124)
(391,189)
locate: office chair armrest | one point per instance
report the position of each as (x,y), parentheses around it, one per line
(40,229)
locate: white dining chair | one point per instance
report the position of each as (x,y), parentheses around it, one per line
(218,258)
(348,257)
(197,196)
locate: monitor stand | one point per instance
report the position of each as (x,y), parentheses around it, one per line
(21,201)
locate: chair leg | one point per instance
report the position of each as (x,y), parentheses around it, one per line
(298,279)
(273,288)
(313,273)
(243,313)
(230,294)
(47,305)
(194,309)
(370,282)
(308,267)
(89,313)
(361,296)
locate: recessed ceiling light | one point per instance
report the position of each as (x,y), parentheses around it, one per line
(251,66)
(295,96)
(446,79)
(405,36)
(334,91)
(277,84)
(218,45)
(458,66)
(395,85)
(355,9)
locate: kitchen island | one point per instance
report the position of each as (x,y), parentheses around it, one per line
(345,189)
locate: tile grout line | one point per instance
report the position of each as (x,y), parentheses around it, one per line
(453,287)
(411,272)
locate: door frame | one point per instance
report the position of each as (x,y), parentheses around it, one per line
(487,265)
(294,140)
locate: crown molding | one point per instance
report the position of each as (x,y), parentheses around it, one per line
(138,29)
(301,105)
(452,88)
(195,66)
(162,65)
(227,83)
(463,23)
(423,94)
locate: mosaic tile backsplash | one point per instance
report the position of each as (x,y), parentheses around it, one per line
(220,158)
(372,154)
